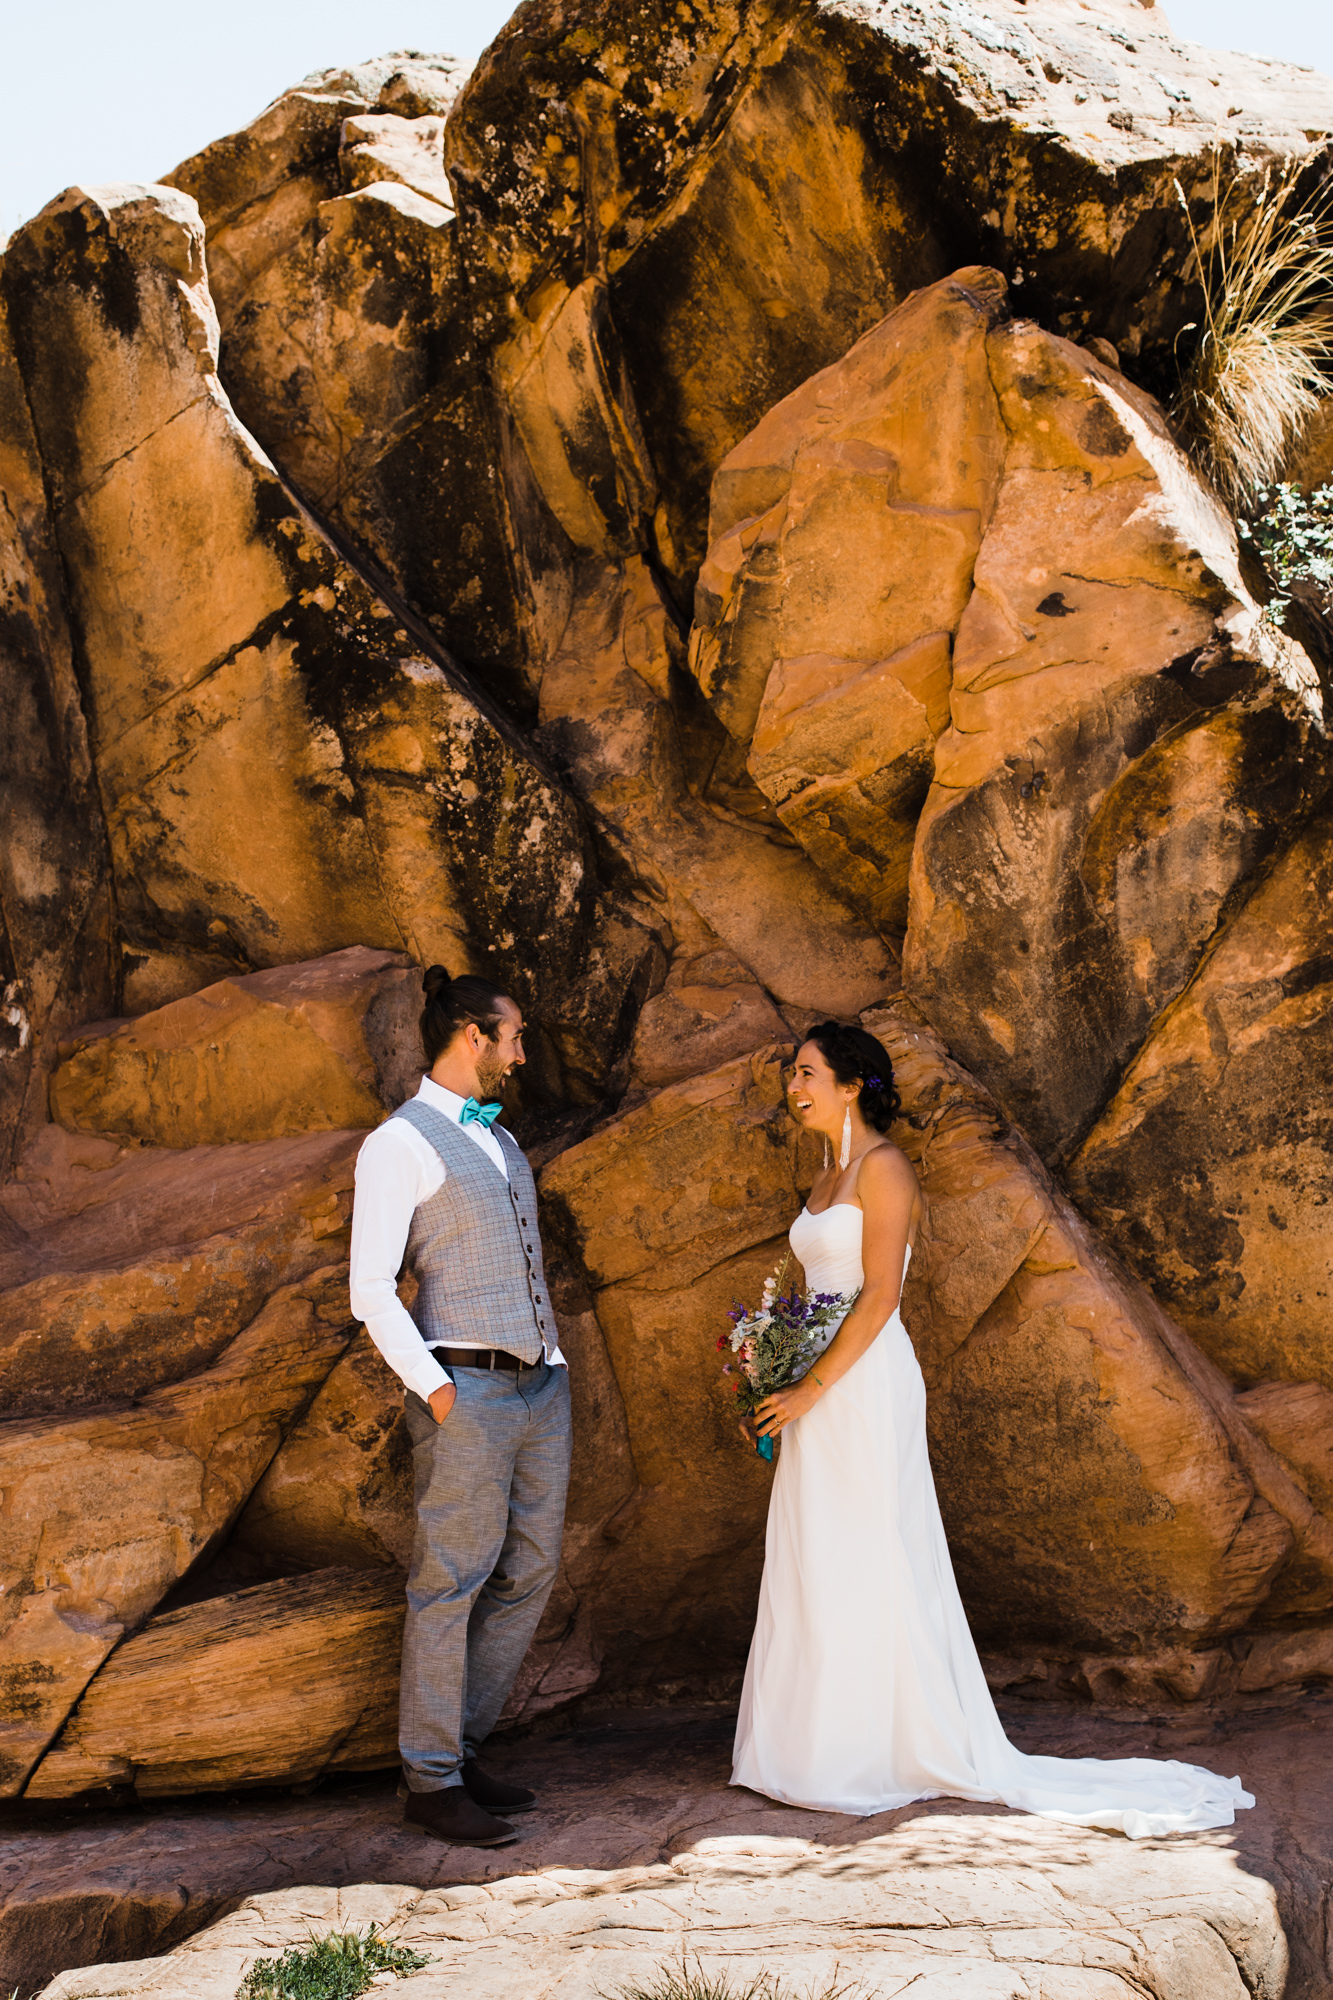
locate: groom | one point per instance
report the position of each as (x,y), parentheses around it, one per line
(445,1189)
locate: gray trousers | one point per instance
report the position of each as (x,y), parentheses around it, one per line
(490,1497)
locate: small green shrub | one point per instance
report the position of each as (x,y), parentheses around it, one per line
(338,1966)
(1293,533)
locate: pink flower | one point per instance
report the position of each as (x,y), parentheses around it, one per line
(728,1370)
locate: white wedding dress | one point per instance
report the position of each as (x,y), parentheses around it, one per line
(863,1689)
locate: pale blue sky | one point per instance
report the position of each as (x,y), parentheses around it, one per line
(101,92)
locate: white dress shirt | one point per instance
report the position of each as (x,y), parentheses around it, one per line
(396,1170)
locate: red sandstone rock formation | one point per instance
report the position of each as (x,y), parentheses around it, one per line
(661,521)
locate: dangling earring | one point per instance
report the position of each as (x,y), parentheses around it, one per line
(828,1157)
(846,1153)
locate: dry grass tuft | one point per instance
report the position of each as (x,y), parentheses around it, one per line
(1261,363)
(682,1983)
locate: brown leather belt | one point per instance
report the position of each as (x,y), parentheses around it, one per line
(481,1357)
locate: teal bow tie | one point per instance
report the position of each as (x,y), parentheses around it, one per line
(479,1114)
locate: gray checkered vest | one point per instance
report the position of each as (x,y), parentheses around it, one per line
(474,1246)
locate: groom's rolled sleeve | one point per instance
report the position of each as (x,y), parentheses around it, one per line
(388,1189)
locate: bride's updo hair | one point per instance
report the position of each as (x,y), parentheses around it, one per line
(452,1003)
(856,1057)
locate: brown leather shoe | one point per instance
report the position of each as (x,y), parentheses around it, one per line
(455,1816)
(494,1794)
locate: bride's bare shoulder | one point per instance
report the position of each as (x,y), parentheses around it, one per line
(886,1169)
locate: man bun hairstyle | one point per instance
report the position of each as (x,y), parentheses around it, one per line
(452,1003)
(855,1056)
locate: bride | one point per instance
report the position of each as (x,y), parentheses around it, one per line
(863,1689)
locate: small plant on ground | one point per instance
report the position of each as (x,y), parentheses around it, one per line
(339,1966)
(1293,533)
(682,1983)
(1263,349)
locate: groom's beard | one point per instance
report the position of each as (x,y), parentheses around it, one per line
(490,1079)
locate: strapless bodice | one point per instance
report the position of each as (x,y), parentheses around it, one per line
(829,1247)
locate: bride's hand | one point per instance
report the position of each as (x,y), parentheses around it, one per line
(778,1410)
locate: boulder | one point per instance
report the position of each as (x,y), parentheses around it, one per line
(843,533)
(677,1594)
(1209,1167)
(338,1493)
(703,1169)
(260,186)
(476,397)
(968,613)
(1109,1506)
(1295,1420)
(1087,1461)
(715,874)
(175,1709)
(619,1790)
(789,174)
(123,1270)
(55,913)
(382,148)
(323,1046)
(398,810)
(676,1209)
(281,1682)
(106,1511)
(1291,1658)
(710,1011)
(1127,746)
(331,232)
(976,1906)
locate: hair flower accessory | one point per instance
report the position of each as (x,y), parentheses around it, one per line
(874,1083)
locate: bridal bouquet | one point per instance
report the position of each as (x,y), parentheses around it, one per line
(775,1342)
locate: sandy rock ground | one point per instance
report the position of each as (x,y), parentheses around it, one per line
(641,1852)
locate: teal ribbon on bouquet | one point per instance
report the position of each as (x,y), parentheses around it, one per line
(764,1446)
(479,1114)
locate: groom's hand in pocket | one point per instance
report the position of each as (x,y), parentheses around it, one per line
(442,1401)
